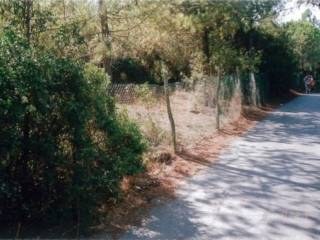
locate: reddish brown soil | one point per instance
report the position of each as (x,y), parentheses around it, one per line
(296,93)
(159,182)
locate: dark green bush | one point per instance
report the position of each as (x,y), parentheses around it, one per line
(63,148)
(130,71)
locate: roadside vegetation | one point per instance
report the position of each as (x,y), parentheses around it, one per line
(66,143)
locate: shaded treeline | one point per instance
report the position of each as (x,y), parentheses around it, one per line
(64,149)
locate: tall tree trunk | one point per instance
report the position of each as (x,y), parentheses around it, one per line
(239,85)
(75,202)
(18,232)
(170,115)
(253,85)
(22,164)
(28,9)
(253,89)
(217,99)
(64,10)
(106,36)
(206,50)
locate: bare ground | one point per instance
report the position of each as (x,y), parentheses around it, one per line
(194,120)
(264,186)
(158,183)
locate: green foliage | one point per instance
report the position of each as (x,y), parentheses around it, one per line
(26,18)
(63,147)
(278,64)
(278,71)
(130,71)
(304,38)
(154,134)
(145,95)
(67,40)
(97,78)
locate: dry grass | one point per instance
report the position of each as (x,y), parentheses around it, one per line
(194,120)
(140,193)
(158,184)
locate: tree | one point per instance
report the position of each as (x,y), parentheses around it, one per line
(312,2)
(161,44)
(63,146)
(305,39)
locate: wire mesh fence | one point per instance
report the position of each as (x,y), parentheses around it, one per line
(193,104)
(129,93)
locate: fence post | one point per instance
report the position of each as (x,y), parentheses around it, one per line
(218,110)
(169,111)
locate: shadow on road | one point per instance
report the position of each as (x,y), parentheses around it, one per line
(267,186)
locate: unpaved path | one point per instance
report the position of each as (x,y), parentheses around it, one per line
(266,185)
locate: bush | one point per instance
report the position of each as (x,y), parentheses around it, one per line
(130,71)
(153,133)
(63,147)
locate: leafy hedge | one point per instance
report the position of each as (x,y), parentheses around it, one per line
(63,148)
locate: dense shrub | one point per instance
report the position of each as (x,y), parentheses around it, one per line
(277,71)
(130,71)
(63,148)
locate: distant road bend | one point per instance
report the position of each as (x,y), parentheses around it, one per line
(265,186)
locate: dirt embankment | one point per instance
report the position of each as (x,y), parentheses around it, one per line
(167,171)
